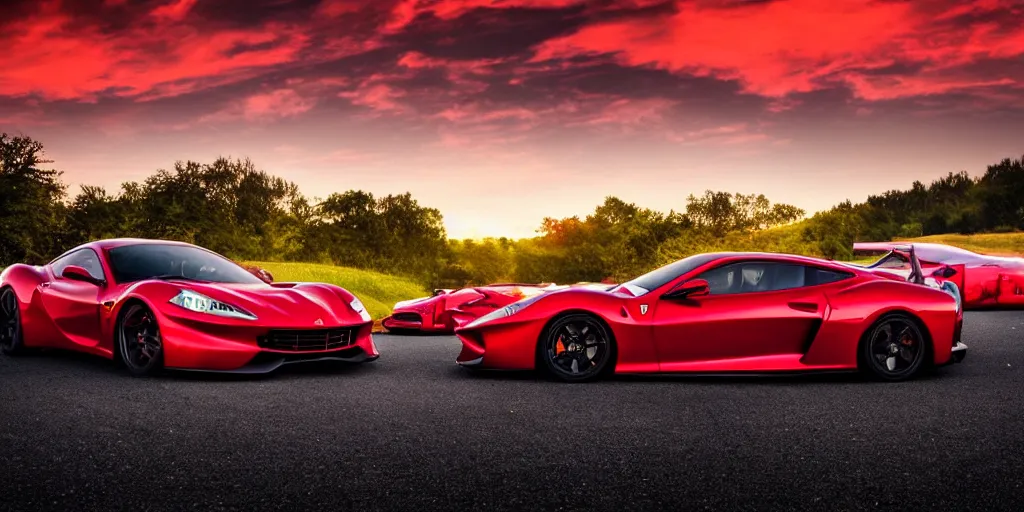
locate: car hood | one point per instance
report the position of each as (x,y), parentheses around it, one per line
(285,305)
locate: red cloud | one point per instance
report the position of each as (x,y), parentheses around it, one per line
(59,58)
(375,94)
(175,11)
(633,112)
(778,48)
(279,103)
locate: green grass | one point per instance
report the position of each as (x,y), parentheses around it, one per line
(377,291)
(995,244)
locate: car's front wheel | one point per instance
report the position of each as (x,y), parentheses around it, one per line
(576,348)
(895,349)
(139,342)
(11,336)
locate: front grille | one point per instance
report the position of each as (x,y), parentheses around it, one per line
(304,340)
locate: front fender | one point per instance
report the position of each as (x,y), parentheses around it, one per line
(514,338)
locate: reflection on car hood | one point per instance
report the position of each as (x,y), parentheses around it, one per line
(303,305)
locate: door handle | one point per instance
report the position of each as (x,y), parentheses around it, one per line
(44,284)
(810,307)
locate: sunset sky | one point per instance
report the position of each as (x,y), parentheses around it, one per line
(502,112)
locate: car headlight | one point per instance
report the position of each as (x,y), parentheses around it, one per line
(200,303)
(357,306)
(506,311)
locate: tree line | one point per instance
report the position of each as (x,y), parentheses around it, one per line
(236,209)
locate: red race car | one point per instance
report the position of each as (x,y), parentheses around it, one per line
(448,309)
(150,304)
(727,313)
(984,281)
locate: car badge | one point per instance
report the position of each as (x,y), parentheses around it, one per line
(643,309)
(319,321)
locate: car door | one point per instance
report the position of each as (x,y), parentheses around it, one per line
(74,306)
(753,309)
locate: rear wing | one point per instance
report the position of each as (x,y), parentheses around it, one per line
(916,273)
(905,250)
(940,279)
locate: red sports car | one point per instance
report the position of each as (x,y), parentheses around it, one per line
(726,313)
(150,304)
(984,281)
(448,309)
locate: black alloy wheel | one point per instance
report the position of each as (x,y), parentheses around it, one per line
(577,348)
(139,342)
(11,336)
(896,348)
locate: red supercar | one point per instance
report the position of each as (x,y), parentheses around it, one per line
(727,313)
(984,281)
(150,304)
(447,309)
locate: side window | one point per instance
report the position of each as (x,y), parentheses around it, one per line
(722,280)
(754,276)
(84,258)
(761,276)
(822,276)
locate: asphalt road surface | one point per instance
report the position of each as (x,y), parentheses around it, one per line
(412,431)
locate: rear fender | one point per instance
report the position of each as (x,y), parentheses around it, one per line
(36,326)
(855,309)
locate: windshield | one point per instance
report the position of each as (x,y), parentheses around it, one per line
(132,263)
(661,276)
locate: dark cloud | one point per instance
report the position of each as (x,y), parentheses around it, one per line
(487,33)
(250,13)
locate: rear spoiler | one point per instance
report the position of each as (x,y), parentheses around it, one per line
(903,249)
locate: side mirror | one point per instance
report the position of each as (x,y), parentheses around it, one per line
(76,273)
(689,289)
(944,272)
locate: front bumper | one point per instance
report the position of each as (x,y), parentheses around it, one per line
(267,362)
(236,349)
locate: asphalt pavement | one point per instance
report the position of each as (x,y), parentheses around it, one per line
(413,431)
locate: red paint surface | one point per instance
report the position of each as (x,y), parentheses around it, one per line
(79,316)
(744,332)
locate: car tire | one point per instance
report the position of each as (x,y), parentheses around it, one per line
(894,348)
(140,345)
(12,337)
(565,345)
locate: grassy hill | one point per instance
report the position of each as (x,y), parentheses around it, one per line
(377,291)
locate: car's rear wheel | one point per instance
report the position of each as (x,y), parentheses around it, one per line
(895,349)
(11,336)
(139,344)
(576,348)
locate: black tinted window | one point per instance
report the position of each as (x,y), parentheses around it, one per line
(821,276)
(764,276)
(132,263)
(85,258)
